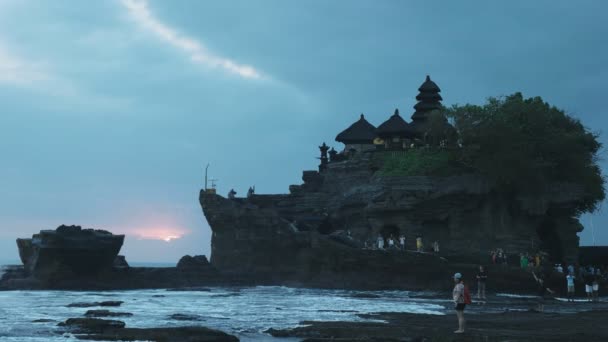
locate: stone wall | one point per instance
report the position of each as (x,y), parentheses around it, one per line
(280,235)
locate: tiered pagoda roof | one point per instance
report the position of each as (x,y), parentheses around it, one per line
(428,100)
(361,132)
(395,126)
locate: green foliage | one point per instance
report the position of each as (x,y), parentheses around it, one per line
(526,145)
(419,162)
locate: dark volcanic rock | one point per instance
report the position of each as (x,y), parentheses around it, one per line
(509,326)
(109,330)
(43,320)
(92,304)
(193,263)
(69,251)
(185,317)
(120,262)
(106,313)
(91,325)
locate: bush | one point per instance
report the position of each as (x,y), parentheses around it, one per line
(420,162)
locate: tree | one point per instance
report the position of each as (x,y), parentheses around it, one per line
(526,145)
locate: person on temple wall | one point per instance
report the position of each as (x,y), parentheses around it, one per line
(231,194)
(402,242)
(391,242)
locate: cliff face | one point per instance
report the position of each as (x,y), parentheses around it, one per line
(69,248)
(323,225)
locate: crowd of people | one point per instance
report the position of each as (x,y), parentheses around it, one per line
(590,277)
(398,243)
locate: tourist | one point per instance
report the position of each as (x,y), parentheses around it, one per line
(560,269)
(570,284)
(231,194)
(436,246)
(380,242)
(596,285)
(419,245)
(494,256)
(402,242)
(523,261)
(571,269)
(459,301)
(542,291)
(482,276)
(391,242)
(537,260)
(589,278)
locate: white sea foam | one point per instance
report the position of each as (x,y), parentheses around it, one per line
(512,295)
(245,312)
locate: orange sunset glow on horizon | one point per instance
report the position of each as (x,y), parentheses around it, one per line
(166,234)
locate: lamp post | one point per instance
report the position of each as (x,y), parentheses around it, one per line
(207,167)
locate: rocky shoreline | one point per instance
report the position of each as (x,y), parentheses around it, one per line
(506,326)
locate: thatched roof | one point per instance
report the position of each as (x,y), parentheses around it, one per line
(395,126)
(429,86)
(361,132)
(428,100)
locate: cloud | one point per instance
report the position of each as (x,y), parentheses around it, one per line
(18,71)
(140,11)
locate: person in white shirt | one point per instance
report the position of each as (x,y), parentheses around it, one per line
(380,242)
(402,242)
(570,284)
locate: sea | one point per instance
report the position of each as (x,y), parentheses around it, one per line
(246,312)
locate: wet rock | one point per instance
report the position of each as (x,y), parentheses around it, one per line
(43,320)
(185,317)
(491,327)
(106,313)
(92,304)
(91,325)
(191,288)
(120,262)
(364,295)
(175,334)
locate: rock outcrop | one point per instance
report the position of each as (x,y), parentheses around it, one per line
(69,249)
(319,231)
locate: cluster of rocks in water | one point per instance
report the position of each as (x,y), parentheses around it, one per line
(91,327)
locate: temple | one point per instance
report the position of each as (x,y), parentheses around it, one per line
(429,127)
(331,221)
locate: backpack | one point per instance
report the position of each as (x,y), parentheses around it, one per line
(467,295)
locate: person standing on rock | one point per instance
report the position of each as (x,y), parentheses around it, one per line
(402,242)
(589,285)
(419,246)
(459,301)
(542,291)
(596,285)
(570,284)
(380,242)
(482,276)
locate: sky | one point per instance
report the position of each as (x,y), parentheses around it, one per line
(110,110)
